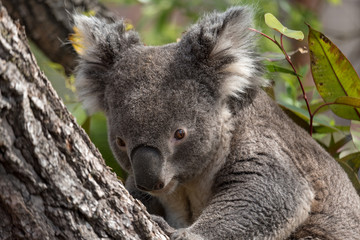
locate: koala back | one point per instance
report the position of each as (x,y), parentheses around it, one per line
(268,145)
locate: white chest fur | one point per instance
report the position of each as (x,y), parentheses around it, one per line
(185,204)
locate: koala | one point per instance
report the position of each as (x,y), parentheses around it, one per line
(207,151)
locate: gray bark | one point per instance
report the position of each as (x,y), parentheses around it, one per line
(47,24)
(53,182)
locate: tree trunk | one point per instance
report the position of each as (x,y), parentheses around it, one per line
(54,16)
(53,182)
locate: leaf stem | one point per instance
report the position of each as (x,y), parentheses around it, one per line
(316,110)
(323,105)
(253,29)
(288,59)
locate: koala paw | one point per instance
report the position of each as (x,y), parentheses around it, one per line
(163,224)
(185,234)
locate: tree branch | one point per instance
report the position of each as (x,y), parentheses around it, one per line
(53,182)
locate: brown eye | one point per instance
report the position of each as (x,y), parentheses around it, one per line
(179,134)
(120,142)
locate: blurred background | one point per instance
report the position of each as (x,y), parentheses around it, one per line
(163,21)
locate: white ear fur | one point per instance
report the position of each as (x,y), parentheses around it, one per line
(90,98)
(91,33)
(241,77)
(101,45)
(87,28)
(86,40)
(238,41)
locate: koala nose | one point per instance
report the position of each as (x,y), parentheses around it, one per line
(147,166)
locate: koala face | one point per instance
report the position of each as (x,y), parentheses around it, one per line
(162,121)
(165,105)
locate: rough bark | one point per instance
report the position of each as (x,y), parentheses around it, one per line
(54,16)
(53,182)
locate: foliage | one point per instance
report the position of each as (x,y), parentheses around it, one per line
(334,76)
(337,83)
(275,24)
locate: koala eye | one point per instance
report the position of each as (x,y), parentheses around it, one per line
(179,134)
(120,142)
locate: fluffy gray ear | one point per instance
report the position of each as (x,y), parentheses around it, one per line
(223,41)
(99,45)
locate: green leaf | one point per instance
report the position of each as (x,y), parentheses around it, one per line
(274,68)
(304,114)
(334,147)
(333,74)
(299,119)
(355,133)
(351,165)
(353,160)
(86,124)
(335,2)
(325,129)
(349,101)
(275,24)
(78,112)
(320,104)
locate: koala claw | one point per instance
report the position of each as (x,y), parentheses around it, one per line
(185,234)
(175,234)
(163,224)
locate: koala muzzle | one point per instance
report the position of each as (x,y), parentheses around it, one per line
(147,165)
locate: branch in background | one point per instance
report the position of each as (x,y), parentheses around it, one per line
(47,24)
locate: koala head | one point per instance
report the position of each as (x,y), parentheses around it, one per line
(166,105)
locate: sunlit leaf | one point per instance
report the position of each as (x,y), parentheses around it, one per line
(275,24)
(349,101)
(333,74)
(355,133)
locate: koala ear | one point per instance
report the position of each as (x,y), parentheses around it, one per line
(99,44)
(223,41)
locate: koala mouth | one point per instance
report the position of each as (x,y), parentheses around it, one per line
(168,189)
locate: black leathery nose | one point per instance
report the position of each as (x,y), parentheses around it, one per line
(147,164)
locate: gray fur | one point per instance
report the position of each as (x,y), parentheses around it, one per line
(244,170)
